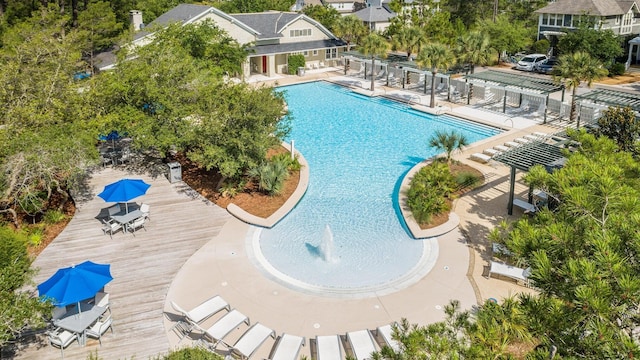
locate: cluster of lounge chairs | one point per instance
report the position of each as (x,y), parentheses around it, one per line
(488,154)
(359,344)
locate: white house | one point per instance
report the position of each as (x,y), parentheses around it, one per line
(377,15)
(272,36)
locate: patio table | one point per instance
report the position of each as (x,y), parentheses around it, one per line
(77,322)
(127,218)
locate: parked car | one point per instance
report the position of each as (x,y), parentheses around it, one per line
(546,67)
(529,62)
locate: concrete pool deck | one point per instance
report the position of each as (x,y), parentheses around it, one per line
(211,259)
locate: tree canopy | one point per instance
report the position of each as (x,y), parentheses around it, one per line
(602,45)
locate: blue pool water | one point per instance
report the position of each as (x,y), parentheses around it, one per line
(358,150)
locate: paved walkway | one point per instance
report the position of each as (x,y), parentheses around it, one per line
(193,250)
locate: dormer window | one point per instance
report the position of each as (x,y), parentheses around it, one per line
(299,32)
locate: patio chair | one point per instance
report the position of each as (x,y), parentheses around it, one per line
(385,333)
(191,319)
(110,227)
(146,210)
(99,328)
(101,299)
(328,347)
(251,340)
(61,339)
(58,312)
(136,224)
(362,344)
(221,328)
(512,272)
(287,347)
(114,210)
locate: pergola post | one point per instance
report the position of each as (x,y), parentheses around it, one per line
(365,71)
(404,74)
(468,93)
(504,101)
(546,105)
(512,189)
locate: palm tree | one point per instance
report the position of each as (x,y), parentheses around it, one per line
(573,69)
(448,142)
(474,48)
(350,29)
(374,45)
(410,39)
(436,57)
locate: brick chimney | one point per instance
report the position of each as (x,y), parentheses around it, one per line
(135,16)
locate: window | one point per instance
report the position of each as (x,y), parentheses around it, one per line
(315,52)
(299,32)
(627,20)
(306,53)
(331,53)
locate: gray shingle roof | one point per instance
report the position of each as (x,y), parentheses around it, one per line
(591,7)
(267,24)
(375,14)
(180,13)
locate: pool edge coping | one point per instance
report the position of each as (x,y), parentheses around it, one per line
(288,205)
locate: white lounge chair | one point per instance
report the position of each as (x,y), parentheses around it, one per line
(509,271)
(540,134)
(521,140)
(200,313)
(479,157)
(362,344)
(501,148)
(287,347)
(251,340)
(512,144)
(221,328)
(328,348)
(385,333)
(491,152)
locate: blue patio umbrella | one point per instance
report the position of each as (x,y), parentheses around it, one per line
(124,190)
(76,283)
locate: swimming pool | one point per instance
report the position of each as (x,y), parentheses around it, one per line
(358,150)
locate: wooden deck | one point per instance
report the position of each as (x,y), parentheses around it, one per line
(143,266)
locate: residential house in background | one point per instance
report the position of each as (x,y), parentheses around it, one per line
(377,15)
(620,16)
(272,36)
(344,7)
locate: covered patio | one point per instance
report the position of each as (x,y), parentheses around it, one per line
(547,151)
(599,99)
(522,92)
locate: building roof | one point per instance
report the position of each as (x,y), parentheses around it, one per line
(268,24)
(179,14)
(591,7)
(374,14)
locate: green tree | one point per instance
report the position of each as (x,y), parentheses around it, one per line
(602,45)
(584,255)
(325,15)
(507,35)
(474,48)
(45,139)
(19,310)
(436,57)
(374,45)
(99,28)
(573,69)
(448,142)
(350,29)
(250,6)
(409,39)
(622,126)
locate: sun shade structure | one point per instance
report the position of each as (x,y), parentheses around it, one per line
(516,83)
(611,98)
(124,190)
(525,156)
(76,283)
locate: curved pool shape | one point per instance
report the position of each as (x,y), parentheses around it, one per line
(358,150)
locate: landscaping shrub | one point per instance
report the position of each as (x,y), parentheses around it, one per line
(467,179)
(52,217)
(294,62)
(271,176)
(187,353)
(429,191)
(285,158)
(540,47)
(616,69)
